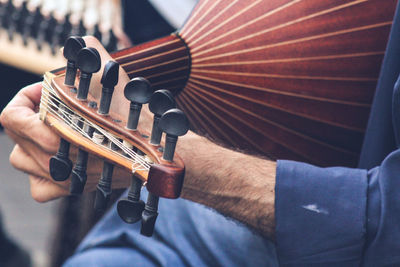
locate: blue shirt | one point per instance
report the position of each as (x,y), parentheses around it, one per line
(342,216)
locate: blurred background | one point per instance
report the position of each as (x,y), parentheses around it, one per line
(31,34)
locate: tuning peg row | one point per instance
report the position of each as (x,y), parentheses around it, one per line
(60,165)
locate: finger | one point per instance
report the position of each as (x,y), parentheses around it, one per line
(20,118)
(40,156)
(43,190)
(29,96)
(24,162)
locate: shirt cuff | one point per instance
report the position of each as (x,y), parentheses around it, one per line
(320,214)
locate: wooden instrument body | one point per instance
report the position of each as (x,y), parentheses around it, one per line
(284,79)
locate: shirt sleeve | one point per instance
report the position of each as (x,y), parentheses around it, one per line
(338,216)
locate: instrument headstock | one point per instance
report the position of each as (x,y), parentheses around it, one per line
(101,117)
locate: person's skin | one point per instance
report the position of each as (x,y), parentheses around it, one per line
(237,185)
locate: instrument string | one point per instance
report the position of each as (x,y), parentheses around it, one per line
(70,120)
(59,109)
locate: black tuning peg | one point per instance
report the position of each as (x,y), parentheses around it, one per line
(89,62)
(60,164)
(108,80)
(130,209)
(79,177)
(71,48)
(149,215)
(103,191)
(160,102)
(174,123)
(138,91)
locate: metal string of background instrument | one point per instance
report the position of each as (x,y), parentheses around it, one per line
(33,31)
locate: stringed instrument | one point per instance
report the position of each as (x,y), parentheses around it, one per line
(285,79)
(33,31)
(288,79)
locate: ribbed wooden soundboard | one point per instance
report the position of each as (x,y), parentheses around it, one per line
(288,79)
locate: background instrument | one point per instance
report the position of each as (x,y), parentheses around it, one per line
(33,31)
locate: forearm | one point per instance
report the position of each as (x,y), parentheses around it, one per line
(235,184)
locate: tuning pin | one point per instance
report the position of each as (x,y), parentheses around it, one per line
(108,80)
(130,209)
(71,48)
(79,177)
(138,91)
(60,164)
(174,123)
(103,191)
(160,102)
(149,215)
(89,62)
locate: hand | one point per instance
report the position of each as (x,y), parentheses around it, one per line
(36,143)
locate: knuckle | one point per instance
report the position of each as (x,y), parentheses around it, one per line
(91,41)
(4,118)
(37,194)
(14,158)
